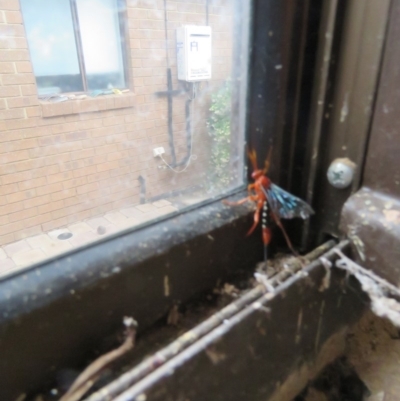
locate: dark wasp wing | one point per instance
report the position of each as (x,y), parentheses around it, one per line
(286,205)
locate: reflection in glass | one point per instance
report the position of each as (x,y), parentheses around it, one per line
(101,43)
(52,46)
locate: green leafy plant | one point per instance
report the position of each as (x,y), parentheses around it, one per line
(219,128)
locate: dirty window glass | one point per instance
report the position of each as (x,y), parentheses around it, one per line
(114,114)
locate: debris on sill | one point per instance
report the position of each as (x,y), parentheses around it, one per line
(59,98)
(337,382)
(373,348)
(278,270)
(178,322)
(181,320)
(281,261)
(85,381)
(385,297)
(369,366)
(368,370)
(173,316)
(113,91)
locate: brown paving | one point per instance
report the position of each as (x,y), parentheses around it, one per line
(34,249)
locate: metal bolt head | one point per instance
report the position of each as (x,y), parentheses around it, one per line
(341,173)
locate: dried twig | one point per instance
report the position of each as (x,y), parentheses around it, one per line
(91,374)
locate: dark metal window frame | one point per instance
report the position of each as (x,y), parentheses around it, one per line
(265,87)
(346,81)
(78,298)
(265,91)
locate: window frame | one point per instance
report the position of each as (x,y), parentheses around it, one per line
(58,307)
(51,299)
(57,269)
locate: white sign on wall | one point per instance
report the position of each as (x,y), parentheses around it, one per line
(193,49)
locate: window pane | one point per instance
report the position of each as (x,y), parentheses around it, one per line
(51,39)
(101,42)
(84,168)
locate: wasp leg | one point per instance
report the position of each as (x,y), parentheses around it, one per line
(256,217)
(250,187)
(266,235)
(280,225)
(250,198)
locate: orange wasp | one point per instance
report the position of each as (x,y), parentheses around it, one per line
(271,201)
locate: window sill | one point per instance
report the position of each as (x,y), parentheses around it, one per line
(88,105)
(90,264)
(141,273)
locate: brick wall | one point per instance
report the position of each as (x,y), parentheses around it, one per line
(65,162)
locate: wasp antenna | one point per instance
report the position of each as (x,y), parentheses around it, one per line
(267,161)
(251,153)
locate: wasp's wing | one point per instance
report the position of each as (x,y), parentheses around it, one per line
(286,205)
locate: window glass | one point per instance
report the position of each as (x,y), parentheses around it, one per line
(81,163)
(52,46)
(101,43)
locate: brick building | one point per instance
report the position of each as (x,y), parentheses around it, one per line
(64,162)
